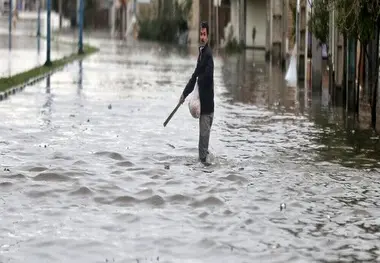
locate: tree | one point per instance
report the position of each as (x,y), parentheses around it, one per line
(171,19)
(360,20)
(357,18)
(318,23)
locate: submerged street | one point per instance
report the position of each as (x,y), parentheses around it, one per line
(89,173)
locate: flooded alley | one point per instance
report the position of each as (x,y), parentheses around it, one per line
(89,173)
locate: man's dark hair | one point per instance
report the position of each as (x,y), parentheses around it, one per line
(204,24)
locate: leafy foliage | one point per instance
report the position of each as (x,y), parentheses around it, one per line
(354,18)
(357,18)
(171,19)
(318,24)
(232,45)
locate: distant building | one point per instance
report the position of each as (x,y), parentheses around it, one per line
(25,5)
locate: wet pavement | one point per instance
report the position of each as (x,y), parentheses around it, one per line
(89,174)
(27,50)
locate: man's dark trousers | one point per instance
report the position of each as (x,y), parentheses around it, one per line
(205,123)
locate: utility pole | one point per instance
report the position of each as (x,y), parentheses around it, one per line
(39,19)
(126,18)
(81,16)
(60,13)
(123,27)
(301,38)
(284,46)
(113,18)
(306,50)
(217,22)
(48,60)
(268,41)
(297,35)
(209,17)
(242,28)
(10,24)
(39,25)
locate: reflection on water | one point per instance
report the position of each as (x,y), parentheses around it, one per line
(46,111)
(100,180)
(27,50)
(344,142)
(38,44)
(249,79)
(80,76)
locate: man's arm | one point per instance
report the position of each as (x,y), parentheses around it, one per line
(209,65)
(204,65)
(189,87)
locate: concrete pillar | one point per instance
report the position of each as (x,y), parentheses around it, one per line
(78,3)
(127,20)
(217,37)
(60,13)
(285,9)
(338,57)
(242,24)
(277,29)
(350,89)
(123,21)
(307,64)
(113,19)
(302,40)
(330,53)
(377,126)
(269,33)
(210,14)
(316,66)
(194,23)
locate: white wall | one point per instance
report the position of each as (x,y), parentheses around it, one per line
(256,16)
(194,24)
(235,18)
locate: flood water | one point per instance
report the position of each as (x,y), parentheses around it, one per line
(26,51)
(89,173)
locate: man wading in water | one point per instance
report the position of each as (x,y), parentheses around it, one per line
(205,74)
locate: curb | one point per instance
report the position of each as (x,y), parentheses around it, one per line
(5,94)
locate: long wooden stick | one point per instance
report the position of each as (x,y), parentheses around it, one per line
(171,114)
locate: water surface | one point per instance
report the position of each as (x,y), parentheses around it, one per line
(89,174)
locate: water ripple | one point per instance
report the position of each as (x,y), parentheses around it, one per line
(89,174)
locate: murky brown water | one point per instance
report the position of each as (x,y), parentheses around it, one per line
(84,178)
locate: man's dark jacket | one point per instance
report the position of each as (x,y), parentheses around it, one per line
(205,73)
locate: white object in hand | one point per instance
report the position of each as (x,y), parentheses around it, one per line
(195,103)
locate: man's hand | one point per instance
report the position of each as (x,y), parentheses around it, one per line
(182,99)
